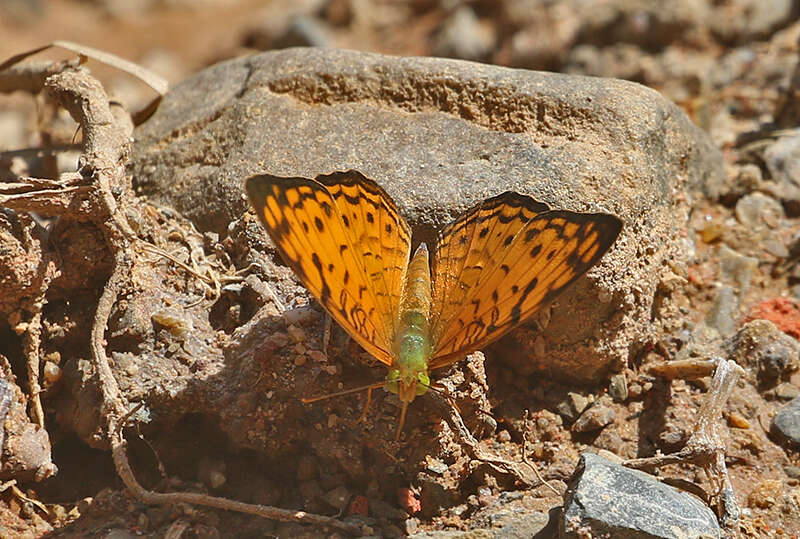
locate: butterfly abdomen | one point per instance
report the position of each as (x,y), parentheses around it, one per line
(411,347)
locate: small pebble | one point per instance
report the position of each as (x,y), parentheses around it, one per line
(359,506)
(721,315)
(296,333)
(337,498)
(792,471)
(618,387)
(503,436)
(52,372)
(738,421)
(571,407)
(765,494)
(786,424)
(786,391)
(435,465)
(594,418)
(317,355)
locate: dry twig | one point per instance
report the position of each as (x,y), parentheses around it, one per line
(705,447)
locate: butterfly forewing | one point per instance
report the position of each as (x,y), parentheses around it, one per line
(467,245)
(343,237)
(506,277)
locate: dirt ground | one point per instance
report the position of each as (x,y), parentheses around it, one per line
(732,66)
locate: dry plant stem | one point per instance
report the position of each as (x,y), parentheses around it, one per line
(704,447)
(33,332)
(149,497)
(103,161)
(31,77)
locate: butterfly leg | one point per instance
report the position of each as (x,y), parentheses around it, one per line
(326,333)
(366,406)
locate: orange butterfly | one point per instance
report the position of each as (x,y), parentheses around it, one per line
(493,267)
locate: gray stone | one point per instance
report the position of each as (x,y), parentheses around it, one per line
(440,135)
(736,268)
(786,424)
(618,387)
(609,500)
(723,309)
(766,352)
(463,36)
(595,418)
(783,163)
(571,407)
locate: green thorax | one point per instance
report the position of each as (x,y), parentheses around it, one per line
(411,348)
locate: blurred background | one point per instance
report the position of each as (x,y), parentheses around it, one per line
(723,61)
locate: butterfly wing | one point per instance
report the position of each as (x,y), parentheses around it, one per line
(502,260)
(344,238)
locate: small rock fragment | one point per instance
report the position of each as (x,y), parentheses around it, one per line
(786,391)
(337,498)
(571,407)
(783,162)
(608,500)
(359,506)
(766,493)
(757,211)
(618,387)
(296,333)
(408,501)
(722,312)
(595,418)
(786,424)
(737,268)
(738,421)
(761,347)
(175,320)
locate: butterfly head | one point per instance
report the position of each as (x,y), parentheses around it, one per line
(407,384)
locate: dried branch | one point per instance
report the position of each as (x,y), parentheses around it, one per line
(705,447)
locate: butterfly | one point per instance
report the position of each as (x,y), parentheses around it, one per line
(492,268)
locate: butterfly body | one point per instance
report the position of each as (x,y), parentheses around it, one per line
(492,268)
(411,349)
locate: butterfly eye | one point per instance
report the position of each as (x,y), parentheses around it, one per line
(391,381)
(424,382)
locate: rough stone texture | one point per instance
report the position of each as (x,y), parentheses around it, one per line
(608,500)
(441,135)
(769,354)
(786,425)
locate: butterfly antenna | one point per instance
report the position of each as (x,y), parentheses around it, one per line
(402,420)
(309,400)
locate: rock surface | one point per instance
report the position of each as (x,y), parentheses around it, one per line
(786,425)
(440,135)
(609,500)
(769,354)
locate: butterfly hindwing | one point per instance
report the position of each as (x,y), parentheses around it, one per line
(520,256)
(343,237)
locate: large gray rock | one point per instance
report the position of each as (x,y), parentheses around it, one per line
(609,500)
(441,135)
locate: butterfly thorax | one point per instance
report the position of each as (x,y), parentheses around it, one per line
(411,348)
